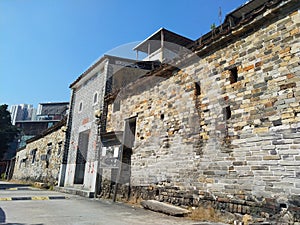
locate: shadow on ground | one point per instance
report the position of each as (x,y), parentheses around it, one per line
(11,185)
(19,224)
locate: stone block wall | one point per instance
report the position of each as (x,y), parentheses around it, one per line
(40,159)
(83,120)
(224,129)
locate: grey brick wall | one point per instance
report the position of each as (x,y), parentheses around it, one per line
(187,151)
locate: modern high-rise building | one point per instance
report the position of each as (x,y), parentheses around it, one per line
(32,121)
(52,111)
(32,114)
(22,112)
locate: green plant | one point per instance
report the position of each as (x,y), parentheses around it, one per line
(3,176)
(213,26)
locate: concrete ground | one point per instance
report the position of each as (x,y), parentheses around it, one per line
(24,205)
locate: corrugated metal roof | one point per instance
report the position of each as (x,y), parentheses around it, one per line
(169,36)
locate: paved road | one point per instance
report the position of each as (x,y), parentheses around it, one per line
(23,205)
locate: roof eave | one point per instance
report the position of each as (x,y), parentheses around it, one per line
(147,39)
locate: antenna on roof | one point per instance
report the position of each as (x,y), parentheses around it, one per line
(220,15)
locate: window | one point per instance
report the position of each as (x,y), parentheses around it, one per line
(80,107)
(117,105)
(197,89)
(49,149)
(233,75)
(95,100)
(23,160)
(227,112)
(33,153)
(59,148)
(50,124)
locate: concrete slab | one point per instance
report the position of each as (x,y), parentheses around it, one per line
(74,191)
(164,208)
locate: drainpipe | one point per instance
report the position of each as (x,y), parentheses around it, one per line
(98,115)
(65,153)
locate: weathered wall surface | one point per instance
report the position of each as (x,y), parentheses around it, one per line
(100,80)
(236,144)
(44,164)
(84,120)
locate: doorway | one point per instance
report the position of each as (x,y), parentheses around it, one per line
(81,156)
(128,143)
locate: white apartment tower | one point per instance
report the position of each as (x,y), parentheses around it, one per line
(22,112)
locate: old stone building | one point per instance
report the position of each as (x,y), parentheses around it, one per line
(220,126)
(162,46)
(40,159)
(80,161)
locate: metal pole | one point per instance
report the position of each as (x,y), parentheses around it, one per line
(149,48)
(162,44)
(119,172)
(98,150)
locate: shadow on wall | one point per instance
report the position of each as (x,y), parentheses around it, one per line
(3,219)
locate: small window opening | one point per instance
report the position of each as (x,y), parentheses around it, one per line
(95,98)
(157,192)
(283,205)
(227,112)
(162,116)
(197,89)
(233,77)
(33,152)
(80,106)
(49,149)
(116,105)
(59,148)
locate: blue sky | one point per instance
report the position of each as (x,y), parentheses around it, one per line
(46,44)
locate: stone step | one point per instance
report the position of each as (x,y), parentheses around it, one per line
(75,191)
(164,208)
